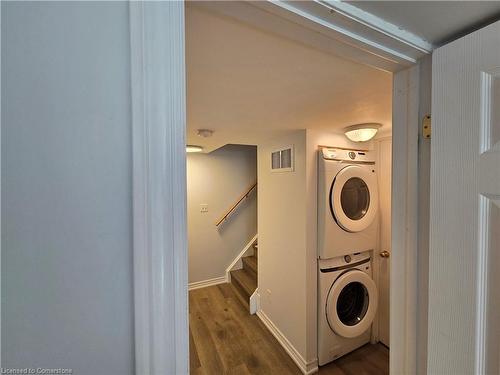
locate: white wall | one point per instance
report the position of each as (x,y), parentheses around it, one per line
(218,179)
(66,187)
(282,240)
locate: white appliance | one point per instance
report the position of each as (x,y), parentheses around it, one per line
(347,202)
(347,303)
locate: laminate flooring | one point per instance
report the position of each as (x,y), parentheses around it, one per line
(225,339)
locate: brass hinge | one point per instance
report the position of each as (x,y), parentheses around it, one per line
(426,127)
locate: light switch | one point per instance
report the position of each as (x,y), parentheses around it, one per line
(204,207)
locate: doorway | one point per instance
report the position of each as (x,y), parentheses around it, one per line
(237,94)
(148,16)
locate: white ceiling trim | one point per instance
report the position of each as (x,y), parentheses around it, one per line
(374,37)
(329,26)
(344,31)
(379,24)
(271,18)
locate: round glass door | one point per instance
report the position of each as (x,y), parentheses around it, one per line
(351,303)
(354,198)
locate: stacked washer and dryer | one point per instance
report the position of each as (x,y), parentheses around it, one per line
(347,237)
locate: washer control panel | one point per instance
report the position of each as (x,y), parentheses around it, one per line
(361,259)
(339,154)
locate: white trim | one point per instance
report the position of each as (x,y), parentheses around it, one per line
(310,367)
(404,286)
(254,302)
(353,26)
(160,249)
(349,34)
(379,25)
(424,167)
(205,283)
(236,263)
(311,23)
(159,187)
(482,289)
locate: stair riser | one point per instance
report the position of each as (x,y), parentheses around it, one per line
(244,297)
(249,266)
(240,285)
(250,269)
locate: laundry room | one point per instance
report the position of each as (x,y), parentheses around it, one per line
(322,127)
(327,242)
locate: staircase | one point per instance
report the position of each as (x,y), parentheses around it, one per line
(245,280)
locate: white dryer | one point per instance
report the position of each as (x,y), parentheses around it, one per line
(347,303)
(347,202)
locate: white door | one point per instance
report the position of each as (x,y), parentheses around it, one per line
(384,262)
(464,259)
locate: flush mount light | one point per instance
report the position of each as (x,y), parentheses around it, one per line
(205,133)
(361,132)
(193,148)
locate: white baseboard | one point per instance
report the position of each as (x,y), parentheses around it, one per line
(205,283)
(255,302)
(307,368)
(227,277)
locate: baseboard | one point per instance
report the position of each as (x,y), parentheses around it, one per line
(307,368)
(205,283)
(255,302)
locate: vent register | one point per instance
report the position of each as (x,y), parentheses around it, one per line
(282,159)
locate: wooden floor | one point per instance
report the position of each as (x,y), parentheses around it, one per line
(225,339)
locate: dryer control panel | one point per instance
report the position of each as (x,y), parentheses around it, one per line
(340,154)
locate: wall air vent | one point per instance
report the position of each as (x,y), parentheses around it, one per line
(282,159)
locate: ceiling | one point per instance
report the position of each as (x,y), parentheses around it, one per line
(438,22)
(246,84)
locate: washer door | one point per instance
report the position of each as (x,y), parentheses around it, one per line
(351,304)
(354,198)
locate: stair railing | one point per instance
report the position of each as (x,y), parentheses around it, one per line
(244,196)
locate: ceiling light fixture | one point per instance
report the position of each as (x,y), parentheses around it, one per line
(193,148)
(361,132)
(205,133)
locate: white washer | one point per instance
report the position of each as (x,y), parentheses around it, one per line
(347,202)
(347,303)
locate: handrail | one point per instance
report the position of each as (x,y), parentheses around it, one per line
(234,206)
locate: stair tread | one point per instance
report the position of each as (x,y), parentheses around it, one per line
(250,262)
(246,280)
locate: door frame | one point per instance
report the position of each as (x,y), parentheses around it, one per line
(159,187)
(159,197)
(404,221)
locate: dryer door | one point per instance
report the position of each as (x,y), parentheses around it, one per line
(354,198)
(351,304)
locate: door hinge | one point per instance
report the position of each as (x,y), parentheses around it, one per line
(426,127)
